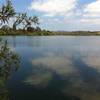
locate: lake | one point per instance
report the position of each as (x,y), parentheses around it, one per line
(55,68)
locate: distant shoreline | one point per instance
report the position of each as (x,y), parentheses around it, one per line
(49,33)
(21,32)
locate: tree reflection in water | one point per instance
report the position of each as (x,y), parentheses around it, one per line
(9,62)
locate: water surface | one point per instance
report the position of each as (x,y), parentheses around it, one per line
(56,68)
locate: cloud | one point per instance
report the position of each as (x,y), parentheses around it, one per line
(53,7)
(88,14)
(65,13)
(93,9)
(91,13)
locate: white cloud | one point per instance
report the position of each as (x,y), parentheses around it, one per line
(70,12)
(53,7)
(89,14)
(91,21)
(92,9)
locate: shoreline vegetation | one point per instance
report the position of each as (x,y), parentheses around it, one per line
(36,32)
(16,23)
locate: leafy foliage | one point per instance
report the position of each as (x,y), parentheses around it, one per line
(19,19)
(30,20)
(6,12)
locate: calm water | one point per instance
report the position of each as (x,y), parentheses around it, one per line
(56,68)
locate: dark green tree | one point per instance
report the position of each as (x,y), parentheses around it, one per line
(6,12)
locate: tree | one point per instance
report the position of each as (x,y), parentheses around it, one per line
(30,20)
(6,12)
(19,19)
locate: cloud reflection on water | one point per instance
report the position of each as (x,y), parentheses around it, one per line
(80,70)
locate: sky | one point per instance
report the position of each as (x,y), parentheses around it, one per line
(62,15)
